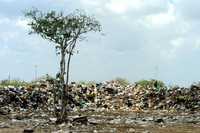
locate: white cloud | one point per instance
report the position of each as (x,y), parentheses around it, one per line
(22,23)
(19,22)
(4,51)
(177,43)
(140,33)
(162,18)
(122,6)
(6,36)
(197,44)
(173,50)
(11,28)
(188,9)
(4,20)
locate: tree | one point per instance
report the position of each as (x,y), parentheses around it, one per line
(65,31)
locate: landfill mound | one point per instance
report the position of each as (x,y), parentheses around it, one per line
(106,96)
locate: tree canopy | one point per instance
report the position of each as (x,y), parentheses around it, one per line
(63,30)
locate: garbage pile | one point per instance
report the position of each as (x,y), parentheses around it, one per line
(168,99)
(112,96)
(106,96)
(16,99)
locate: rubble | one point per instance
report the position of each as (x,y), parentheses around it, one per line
(13,99)
(112,96)
(106,96)
(101,107)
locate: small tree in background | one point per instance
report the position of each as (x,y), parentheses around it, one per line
(65,31)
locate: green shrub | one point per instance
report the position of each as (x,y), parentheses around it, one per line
(123,82)
(151,83)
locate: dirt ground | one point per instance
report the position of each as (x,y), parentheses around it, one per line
(107,122)
(155,129)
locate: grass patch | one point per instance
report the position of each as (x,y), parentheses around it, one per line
(15,83)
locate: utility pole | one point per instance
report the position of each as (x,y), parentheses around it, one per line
(36,71)
(156,72)
(9,77)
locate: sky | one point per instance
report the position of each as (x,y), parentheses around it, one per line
(144,39)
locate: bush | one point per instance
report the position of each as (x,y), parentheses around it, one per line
(15,83)
(123,82)
(151,83)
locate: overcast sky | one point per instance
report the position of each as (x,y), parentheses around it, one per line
(144,39)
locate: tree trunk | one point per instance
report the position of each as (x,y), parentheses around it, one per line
(66,87)
(67,75)
(62,84)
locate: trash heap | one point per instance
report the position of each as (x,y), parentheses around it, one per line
(113,96)
(19,99)
(105,96)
